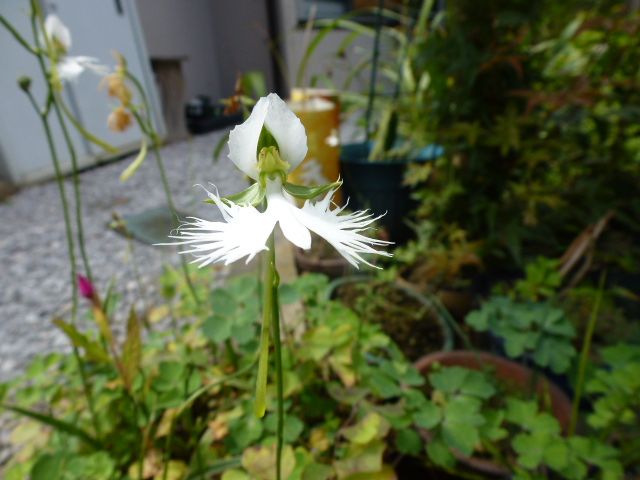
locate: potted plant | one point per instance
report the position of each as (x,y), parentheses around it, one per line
(411,319)
(373,170)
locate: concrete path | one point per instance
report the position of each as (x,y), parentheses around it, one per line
(34,270)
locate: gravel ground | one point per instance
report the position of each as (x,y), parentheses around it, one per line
(34,272)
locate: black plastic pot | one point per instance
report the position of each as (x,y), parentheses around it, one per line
(204,116)
(379,186)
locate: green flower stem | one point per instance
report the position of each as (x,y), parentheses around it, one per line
(19,38)
(72,262)
(374,70)
(76,188)
(272,287)
(146,124)
(271,318)
(584,355)
(44,118)
(260,404)
(83,131)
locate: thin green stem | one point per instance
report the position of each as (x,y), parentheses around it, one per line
(44,118)
(275,321)
(584,355)
(19,38)
(146,125)
(165,184)
(76,188)
(374,70)
(260,403)
(83,131)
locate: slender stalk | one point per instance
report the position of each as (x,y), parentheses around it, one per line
(44,118)
(19,38)
(275,321)
(165,184)
(76,188)
(584,355)
(260,403)
(374,70)
(146,124)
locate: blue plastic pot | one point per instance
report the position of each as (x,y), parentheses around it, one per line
(379,186)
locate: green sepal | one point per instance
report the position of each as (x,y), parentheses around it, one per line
(249,196)
(307,193)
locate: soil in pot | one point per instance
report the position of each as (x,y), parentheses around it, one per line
(409,322)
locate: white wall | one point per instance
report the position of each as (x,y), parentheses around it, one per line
(219,38)
(183,28)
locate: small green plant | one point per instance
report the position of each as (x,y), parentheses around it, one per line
(615,391)
(536,330)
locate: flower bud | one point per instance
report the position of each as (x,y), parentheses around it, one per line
(24,83)
(85,287)
(119,119)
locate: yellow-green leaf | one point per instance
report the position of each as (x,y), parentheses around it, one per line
(137,162)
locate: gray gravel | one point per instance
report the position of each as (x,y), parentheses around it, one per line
(34,270)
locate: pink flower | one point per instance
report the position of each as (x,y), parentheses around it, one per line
(86,287)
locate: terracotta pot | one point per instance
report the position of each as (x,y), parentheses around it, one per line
(514,376)
(331,267)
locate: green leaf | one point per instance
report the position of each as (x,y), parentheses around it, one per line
(308,193)
(440,454)
(92,349)
(450,379)
(372,426)
(57,424)
(132,349)
(408,442)
(428,416)
(260,462)
(217,328)
(223,302)
(460,425)
(137,162)
(317,471)
(234,475)
(382,385)
(48,467)
(245,431)
(360,459)
(293,426)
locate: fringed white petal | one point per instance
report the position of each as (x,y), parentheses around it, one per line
(283,124)
(56,30)
(243,140)
(243,233)
(343,232)
(70,68)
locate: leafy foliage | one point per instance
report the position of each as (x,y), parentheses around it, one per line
(536,329)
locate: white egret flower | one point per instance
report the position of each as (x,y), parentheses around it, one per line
(270,143)
(69,67)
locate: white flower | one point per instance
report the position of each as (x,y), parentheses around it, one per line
(245,230)
(69,67)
